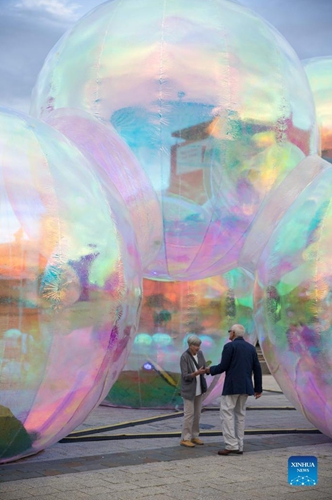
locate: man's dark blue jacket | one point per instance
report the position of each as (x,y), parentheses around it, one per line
(239,360)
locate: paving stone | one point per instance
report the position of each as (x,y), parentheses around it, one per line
(14,495)
(123,487)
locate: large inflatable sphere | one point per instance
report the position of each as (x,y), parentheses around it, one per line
(275,207)
(211,99)
(293,308)
(171,311)
(117,167)
(70,287)
(319,72)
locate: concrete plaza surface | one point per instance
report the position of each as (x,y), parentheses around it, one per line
(144,459)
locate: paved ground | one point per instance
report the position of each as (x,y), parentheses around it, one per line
(138,462)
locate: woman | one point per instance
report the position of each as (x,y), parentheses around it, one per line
(193,385)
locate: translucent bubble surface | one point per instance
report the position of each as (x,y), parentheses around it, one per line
(213,102)
(70,287)
(117,166)
(293,312)
(319,72)
(170,312)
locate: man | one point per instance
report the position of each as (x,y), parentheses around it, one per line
(239,360)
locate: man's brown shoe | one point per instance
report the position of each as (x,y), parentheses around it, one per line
(229,452)
(197,441)
(189,444)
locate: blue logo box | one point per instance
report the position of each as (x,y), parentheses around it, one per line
(302,471)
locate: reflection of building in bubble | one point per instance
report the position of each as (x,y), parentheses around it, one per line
(18,312)
(191,158)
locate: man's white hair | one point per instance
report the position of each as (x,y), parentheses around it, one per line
(239,330)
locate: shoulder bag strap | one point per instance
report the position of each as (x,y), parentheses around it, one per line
(194,360)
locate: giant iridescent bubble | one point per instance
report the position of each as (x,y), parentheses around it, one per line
(117,166)
(170,312)
(69,290)
(213,102)
(319,72)
(293,311)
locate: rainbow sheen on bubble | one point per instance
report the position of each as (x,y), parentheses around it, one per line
(319,73)
(213,102)
(170,312)
(117,166)
(70,287)
(293,311)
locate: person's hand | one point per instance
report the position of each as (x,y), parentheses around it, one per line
(257,395)
(201,371)
(207,370)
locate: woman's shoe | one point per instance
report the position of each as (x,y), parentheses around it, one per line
(197,441)
(189,444)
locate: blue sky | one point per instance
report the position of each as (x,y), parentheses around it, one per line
(30,28)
